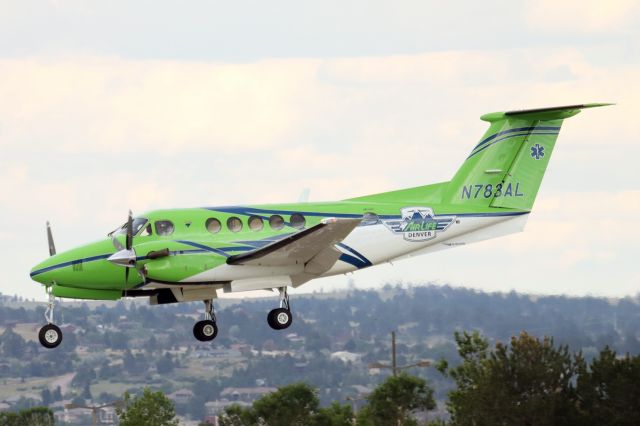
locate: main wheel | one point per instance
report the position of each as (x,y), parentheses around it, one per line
(279,318)
(50,336)
(205,330)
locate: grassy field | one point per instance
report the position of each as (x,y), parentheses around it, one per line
(14,387)
(28,331)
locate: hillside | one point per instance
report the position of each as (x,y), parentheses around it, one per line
(108,349)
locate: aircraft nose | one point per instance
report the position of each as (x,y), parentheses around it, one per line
(43,272)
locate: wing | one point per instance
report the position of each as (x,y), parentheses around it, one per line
(309,246)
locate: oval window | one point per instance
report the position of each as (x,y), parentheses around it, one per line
(213,225)
(234,224)
(297,220)
(164,227)
(276,222)
(255,223)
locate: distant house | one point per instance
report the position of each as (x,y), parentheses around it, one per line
(4,406)
(181,396)
(301,366)
(12,400)
(243,348)
(246,394)
(346,356)
(208,351)
(107,416)
(68,328)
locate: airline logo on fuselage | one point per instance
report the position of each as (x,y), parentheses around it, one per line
(418,224)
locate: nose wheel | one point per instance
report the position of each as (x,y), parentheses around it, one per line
(50,335)
(207,329)
(281,318)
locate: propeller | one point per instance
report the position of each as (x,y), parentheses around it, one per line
(125,256)
(52,246)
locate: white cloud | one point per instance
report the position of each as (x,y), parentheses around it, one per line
(86,138)
(581,16)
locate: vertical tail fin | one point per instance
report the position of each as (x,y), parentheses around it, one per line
(506,167)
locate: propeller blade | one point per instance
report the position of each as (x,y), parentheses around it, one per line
(126,275)
(129,231)
(52,246)
(117,244)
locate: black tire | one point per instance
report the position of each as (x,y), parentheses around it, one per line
(196,331)
(279,318)
(50,336)
(270,320)
(205,331)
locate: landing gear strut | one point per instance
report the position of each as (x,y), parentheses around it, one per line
(50,334)
(281,318)
(207,329)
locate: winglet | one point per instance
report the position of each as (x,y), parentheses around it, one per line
(550,113)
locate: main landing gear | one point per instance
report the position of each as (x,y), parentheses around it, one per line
(50,335)
(280,318)
(207,329)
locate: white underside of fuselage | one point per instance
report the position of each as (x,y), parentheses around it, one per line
(365,246)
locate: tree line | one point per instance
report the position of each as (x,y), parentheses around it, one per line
(527,381)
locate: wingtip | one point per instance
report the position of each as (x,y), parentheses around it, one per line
(598,104)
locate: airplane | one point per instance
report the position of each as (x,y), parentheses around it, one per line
(183,255)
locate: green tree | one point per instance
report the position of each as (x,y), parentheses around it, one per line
(165,364)
(86,392)
(334,415)
(148,409)
(609,391)
(57,394)
(12,343)
(235,415)
(527,382)
(290,405)
(35,416)
(129,362)
(395,399)
(46,397)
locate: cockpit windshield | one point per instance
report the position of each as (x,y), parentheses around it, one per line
(138,224)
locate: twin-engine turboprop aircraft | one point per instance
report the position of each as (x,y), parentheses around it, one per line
(184,255)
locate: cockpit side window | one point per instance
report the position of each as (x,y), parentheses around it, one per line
(164,227)
(137,223)
(146,231)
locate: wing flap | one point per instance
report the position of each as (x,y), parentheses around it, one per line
(300,247)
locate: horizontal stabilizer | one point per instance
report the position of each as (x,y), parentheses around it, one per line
(300,247)
(548,113)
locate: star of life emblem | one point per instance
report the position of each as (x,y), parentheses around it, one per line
(419,223)
(537,151)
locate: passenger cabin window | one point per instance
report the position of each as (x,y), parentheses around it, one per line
(164,227)
(276,222)
(213,225)
(297,221)
(234,224)
(255,223)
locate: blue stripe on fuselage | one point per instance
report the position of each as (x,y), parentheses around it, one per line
(223,250)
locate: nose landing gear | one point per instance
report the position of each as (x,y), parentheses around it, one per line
(50,335)
(281,318)
(207,329)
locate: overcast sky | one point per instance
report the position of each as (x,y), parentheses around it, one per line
(108,106)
